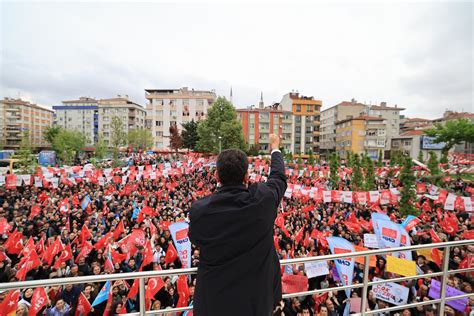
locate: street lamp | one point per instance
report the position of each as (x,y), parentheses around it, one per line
(220,144)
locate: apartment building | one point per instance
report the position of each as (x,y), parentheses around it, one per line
(80,115)
(132,115)
(17,116)
(361,135)
(305,122)
(174,106)
(411,142)
(259,123)
(330,116)
(391,115)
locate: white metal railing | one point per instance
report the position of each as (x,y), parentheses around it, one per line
(365,285)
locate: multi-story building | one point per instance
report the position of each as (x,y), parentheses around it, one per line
(411,142)
(305,122)
(174,106)
(131,114)
(17,116)
(80,115)
(407,124)
(362,134)
(259,123)
(464,147)
(330,116)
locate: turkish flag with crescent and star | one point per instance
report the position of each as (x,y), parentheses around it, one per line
(171,254)
(38,301)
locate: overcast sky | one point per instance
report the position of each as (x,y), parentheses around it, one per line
(419,56)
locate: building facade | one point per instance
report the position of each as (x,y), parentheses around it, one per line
(174,106)
(305,122)
(361,135)
(79,115)
(17,116)
(132,115)
(410,143)
(259,123)
(330,116)
(464,147)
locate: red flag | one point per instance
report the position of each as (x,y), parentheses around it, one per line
(134,289)
(332,219)
(306,240)
(275,241)
(83,306)
(75,200)
(85,234)
(183,291)
(10,303)
(119,230)
(30,246)
(4,226)
(153,229)
(40,246)
(153,286)
(13,245)
(171,254)
(436,255)
(137,238)
(434,236)
(38,301)
(35,211)
(164,225)
(299,235)
(468,234)
(52,251)
(101,243)
(450,224)
(117,257)
(86,249)
(66,255)
(29,263)
(3,256)
(280,222)
(147,255)
(353,227)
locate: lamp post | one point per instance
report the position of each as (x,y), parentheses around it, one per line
(220,144)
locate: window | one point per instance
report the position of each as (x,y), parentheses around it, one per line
(298,108)
(185,101)
(159,134)
(264,116)
(251,125)
(199,102)
(309,108)
(407,143)
(158,101)
(371,132)
(252,117)
(380,143)
(158,123)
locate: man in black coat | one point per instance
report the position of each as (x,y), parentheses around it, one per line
(239,271)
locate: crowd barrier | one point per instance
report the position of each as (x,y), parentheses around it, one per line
(446,246)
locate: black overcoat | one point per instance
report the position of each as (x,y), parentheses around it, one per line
(239,270)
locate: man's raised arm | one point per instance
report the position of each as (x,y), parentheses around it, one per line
(277,178)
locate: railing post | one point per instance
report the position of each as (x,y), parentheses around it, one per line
(142,296)
(363,305)
(444,280)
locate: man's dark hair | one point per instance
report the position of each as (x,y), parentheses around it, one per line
(232,165)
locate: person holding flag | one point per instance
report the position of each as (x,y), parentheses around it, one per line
(234,229)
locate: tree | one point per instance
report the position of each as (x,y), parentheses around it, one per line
(51,133)
(140,138)
(253,150)
(25,155)
(220,127)
(433,164)
(452,133)
(369,183)
(407,193)
(396,158)
(420,157)
(190,134)
(380,159)
(334,164)
(357,181)
(444,157)
(310,157)
(299,162)
(350,159)
(176,142)
(118,137)
(100,148)
(289,157)
(67,145)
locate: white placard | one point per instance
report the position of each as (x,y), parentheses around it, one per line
(38,182)
(391,292)
(347,196)
(2,180)
(314,269)
(371,241)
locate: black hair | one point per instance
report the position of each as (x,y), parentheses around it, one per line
(232,165)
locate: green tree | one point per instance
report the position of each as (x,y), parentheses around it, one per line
(310,157)
(51,132)
(433,164)
(350,159)
(140,138)
(299,162)
(444,157)
(369,182)
(25,155)
(334,164)
(289,157)
(420,157)
(101,149)
(176,142)
(190,134)
(253,150)
(452,133)
(118,137)
(357,180)
(407,193)
(67,145)
(395,158)
(221,122)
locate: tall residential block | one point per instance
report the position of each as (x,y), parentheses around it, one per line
(80,115)
(174,106)
(93,117)
(361,135)
(305,122)
(391,115)
(259,123)
(17,116)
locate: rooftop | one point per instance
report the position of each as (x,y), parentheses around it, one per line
(361,118)
(25,103)
(413,132)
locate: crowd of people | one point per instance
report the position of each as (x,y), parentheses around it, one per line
(80,225)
